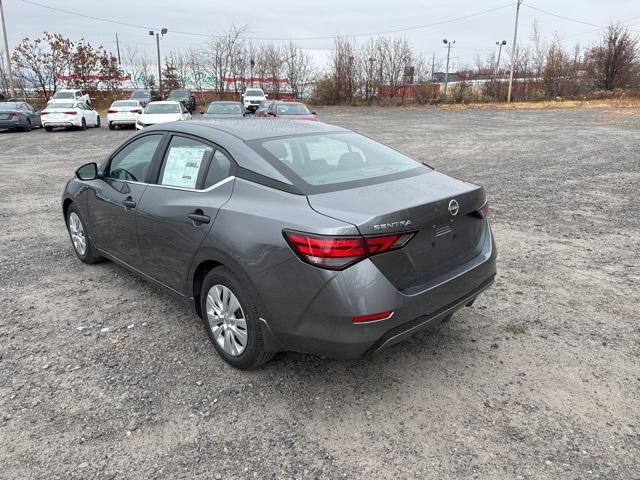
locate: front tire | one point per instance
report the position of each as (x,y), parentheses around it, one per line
(80,241)
(230,317)
(112,126)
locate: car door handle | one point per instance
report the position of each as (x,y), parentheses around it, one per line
(199,218)
(128,203)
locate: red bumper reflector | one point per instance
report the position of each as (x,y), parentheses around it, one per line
(373,317)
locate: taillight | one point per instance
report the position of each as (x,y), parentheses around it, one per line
(483,211)
(339,252)
(373,317)
(112,111)
(136,110)
(15,114)
(71,113)
(44,113)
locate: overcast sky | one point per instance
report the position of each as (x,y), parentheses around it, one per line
(286,18)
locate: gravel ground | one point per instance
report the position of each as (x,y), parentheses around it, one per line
(539,379)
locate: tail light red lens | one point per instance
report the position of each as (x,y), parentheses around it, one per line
(374,317)
(337,253)
(71,112)
(112,111)
(136,110)
(483,211)
(15,114)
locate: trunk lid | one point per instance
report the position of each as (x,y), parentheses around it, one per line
(421,204)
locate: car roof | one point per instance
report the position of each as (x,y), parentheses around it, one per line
(164,102)
(227,102)
(250,128)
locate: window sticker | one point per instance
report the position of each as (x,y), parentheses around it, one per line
(183,164)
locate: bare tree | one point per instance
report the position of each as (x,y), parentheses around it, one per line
(141,68)
(611,61)
(343,68)
(299,68)
(539,49)
(556,69)
(221,54)
(40,62)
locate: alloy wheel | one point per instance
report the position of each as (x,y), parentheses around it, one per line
(226,320)
(78,237)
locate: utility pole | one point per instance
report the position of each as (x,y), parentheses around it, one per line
(446,73)
(433,66)
(118,49)
(6,52)
(513,51)
(500,45)
(370,81)
(162,32)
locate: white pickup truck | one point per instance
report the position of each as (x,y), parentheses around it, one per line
(252,97)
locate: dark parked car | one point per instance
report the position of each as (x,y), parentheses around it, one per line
(144,96)
(290,111)
(286,235)
(263,107)
(19,116)
(224,110)
(184,96)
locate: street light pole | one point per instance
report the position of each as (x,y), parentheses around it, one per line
(513,51)
(446,73)
(6,52)
(500,45)
(162,33)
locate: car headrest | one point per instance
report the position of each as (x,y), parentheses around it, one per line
(351,160)
(277,150)
(318,165)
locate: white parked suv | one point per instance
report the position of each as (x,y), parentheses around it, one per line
(252,97)
(70,95)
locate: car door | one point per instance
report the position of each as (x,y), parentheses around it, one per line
(177,212)
(112,207)
(92,115)
(34,116)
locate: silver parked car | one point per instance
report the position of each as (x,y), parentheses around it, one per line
(286,235)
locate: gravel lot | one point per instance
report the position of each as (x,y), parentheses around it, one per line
(540,379)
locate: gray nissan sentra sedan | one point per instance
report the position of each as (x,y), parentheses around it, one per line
(286,235)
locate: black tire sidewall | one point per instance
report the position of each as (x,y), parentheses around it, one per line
(89,253)
(83,124)
(98,121)
(254,349)
(27,127)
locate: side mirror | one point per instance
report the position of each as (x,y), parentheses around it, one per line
(88,171)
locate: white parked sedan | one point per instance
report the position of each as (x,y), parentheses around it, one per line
(162,112)
(68,115)
(124,113)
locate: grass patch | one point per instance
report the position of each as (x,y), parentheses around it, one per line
(517,328)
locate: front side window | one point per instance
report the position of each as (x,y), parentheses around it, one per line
(293,109)
(333,158)
(133,161)
(184,160)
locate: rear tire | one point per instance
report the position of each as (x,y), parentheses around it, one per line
(48,129)
(112,126)
(224,325)
(79,236)
(83,125)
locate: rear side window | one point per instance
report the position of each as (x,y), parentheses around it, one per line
(184,160)
(219,169)
(133,161)
(334,159)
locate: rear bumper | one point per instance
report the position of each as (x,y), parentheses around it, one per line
(60,124)
(323,326)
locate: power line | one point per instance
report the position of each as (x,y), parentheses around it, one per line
(328,37)
(546,12)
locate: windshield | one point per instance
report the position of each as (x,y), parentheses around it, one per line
(333,158)
(63,105)
(63,95)
(8,106)
(178,93)
(162,108)
(124,103)
(224,108)
(254,93)
(292,109)
(140,94)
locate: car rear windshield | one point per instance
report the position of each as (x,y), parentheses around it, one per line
(63,95)
(224,108)
(292,109)
(162,108)
(332,161)
(62,105)
(254,93)
(124,103)
(140,94)
(178,93)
